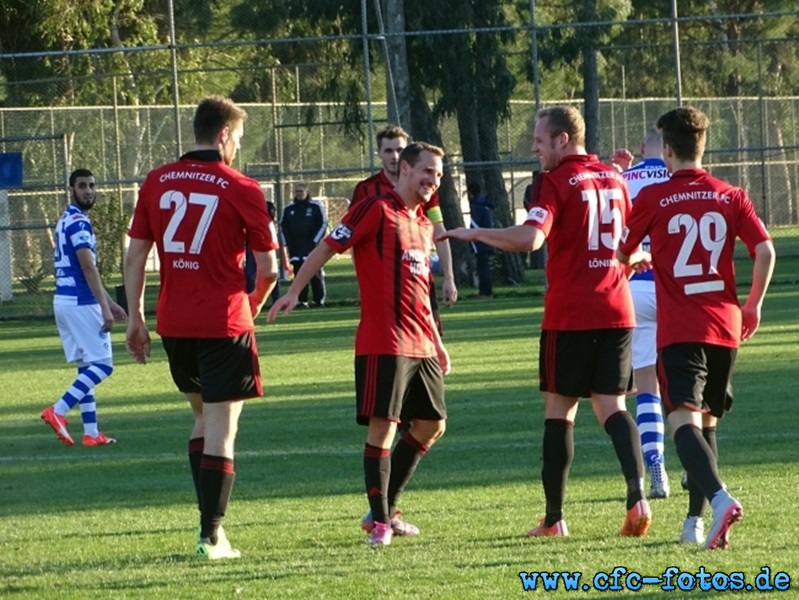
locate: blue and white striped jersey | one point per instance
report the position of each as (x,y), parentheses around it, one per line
(651,170)
(73,232)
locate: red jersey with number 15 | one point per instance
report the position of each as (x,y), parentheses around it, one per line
(391,251)
(581,206)
(199,212)
(693,220)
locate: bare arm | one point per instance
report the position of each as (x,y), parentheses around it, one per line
(621,159)
(518,238)
(762,270)
(265,278)
(445,262)
(137,339)
(92,275)
(315,261)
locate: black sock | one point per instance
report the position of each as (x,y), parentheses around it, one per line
(696,499)
(377,471)
(407,454)
(698,460)
(709,433)
(557,458)
(195,456)
(627,443)
(216,484)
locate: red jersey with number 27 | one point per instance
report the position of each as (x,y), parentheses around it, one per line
(199,212)
(391,251)
(693,220)
(581,206)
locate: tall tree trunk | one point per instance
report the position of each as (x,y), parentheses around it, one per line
(591,79)
(494,186)
(399,98)
(424,127)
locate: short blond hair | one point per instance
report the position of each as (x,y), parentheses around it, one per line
(564,119)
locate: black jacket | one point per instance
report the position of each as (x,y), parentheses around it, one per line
(302,226)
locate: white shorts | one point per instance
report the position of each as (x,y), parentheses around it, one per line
(645,332)
(80,328)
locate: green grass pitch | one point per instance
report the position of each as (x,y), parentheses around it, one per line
(120,521)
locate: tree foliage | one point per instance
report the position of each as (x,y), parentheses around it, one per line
(83,79)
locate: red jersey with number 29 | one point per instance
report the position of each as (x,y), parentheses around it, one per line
(199,212)
(693,220)
(581,206)
(391,251)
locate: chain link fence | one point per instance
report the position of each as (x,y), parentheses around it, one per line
(132,126)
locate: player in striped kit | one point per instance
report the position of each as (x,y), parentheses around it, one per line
(649,414)
(84,313)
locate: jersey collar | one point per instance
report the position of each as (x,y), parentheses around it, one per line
(204,155)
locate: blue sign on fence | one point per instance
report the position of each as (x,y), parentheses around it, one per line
(10,169)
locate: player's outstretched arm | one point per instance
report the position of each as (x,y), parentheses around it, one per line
(313,264)
(518,238)
(765,257)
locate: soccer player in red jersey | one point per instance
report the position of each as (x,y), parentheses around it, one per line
(400,359)
(579,207)
(199,212)
(693,220)
(390,142)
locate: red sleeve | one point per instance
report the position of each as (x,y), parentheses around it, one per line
(261,234)
(750,228)
(636,227)
(544,204)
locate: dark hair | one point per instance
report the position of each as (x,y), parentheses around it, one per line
(473,188)
(213,114)
(685,130)
(390,132)
(79,173)
(564,119)
(410,154)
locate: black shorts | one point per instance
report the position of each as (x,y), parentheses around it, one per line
(697,376)
(580,363)
(398,388)
(221,369)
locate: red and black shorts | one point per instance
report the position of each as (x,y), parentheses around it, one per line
(697,376)
(221,369)
(398,388)
(580,363)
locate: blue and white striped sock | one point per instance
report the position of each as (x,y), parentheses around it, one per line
(88,377)
(650,424)
(88,412)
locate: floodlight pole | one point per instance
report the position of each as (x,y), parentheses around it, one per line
(676,37)
(175,89)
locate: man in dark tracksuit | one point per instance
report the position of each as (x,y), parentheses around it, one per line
(302,226)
